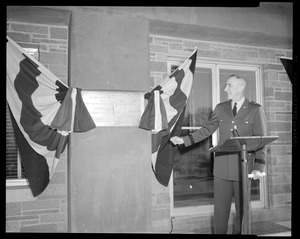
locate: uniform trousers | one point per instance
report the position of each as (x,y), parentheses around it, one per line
(224,190)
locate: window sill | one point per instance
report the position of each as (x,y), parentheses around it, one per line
(18,191)
(16,182)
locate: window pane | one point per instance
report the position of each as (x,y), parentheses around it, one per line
(199,105)
(11,149)
(194,166)
(12,161)
(193,179)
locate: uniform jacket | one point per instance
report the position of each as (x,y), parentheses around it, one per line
(250,120)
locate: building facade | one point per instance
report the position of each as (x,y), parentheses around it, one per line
(104,181)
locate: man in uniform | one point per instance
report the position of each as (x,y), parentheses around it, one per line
(249,120)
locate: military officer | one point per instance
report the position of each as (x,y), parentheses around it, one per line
(249,120)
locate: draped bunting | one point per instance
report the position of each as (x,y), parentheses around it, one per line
(44,112)
(164,114)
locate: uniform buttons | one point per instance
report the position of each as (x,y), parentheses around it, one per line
(233,122)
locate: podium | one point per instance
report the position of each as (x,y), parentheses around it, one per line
(244,145)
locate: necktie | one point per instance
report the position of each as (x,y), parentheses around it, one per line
(234,109)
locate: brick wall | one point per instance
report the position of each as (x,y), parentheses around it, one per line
(48,212)
(278,101)
(277,104)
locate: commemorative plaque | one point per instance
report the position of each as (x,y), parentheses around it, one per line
(114,108)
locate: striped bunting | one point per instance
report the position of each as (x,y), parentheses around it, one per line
(164,114)
(44,112)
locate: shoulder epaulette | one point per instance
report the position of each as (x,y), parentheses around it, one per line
(254,103)
(223,103)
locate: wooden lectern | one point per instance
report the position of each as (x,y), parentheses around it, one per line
(244,145)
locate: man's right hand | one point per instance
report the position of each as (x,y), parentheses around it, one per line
(177,140)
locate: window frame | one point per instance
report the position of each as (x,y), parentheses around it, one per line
(215,67)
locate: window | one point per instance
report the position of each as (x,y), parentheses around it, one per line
(15,175)
(191,184)
(14,169)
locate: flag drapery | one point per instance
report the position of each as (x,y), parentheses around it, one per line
(44,112)
(288,66)
(164,114)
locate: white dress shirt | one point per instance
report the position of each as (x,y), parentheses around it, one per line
(238,105)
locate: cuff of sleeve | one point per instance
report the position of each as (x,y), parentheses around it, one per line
(187,140)
(259,165)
